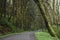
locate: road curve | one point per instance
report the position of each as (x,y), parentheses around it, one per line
(22,36)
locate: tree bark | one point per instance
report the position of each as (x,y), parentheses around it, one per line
(48,26)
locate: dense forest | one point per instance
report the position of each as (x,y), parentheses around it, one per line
(29,15)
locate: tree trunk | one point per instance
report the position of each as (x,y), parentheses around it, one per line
(2,7)
(48,26)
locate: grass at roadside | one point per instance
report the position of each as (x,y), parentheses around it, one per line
(43,36)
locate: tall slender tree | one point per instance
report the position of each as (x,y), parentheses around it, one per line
(2,7)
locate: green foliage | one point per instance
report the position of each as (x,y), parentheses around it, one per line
(57,30)
(43,36)
(58,33)
(4,22)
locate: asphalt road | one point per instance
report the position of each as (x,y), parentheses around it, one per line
(21,36)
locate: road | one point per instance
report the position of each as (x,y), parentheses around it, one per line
(21,36)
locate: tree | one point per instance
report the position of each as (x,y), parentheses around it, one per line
(48,26)
(2,7)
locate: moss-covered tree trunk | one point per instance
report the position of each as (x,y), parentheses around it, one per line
(43,12)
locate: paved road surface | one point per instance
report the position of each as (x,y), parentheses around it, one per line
(22,36)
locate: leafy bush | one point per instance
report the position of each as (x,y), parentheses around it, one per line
(58,33)
(6,26)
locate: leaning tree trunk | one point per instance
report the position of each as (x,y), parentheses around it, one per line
(48,26)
